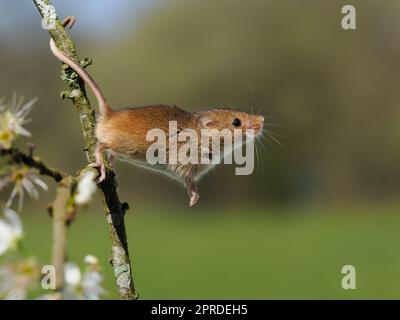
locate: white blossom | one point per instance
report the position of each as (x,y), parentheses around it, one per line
(17,278)
(24,180)
(91,260)
(86,188)
(86,285)
(91,284)
(72,274)
(10,231)
(12,119)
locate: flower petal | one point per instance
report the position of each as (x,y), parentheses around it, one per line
(30,188)
(72,274)
(40,183)
(86,188)
(22,131)
(5,237)
(4,181)
(15,221)
(12,196)
(25,109)
(91,285)
(91,259)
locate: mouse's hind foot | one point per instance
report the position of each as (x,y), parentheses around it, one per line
(194,197)
(192,191)
(99,164)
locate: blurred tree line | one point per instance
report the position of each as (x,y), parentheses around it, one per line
(334,92)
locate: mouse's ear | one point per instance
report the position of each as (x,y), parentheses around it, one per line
(203,121)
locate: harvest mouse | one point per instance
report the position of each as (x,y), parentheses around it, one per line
(122,133)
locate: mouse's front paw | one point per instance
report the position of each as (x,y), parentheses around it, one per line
(194,197)
(102,168)
(102,173)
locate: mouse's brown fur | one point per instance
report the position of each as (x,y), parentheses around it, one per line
(122,133)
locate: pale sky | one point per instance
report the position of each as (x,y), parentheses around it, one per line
(17,17)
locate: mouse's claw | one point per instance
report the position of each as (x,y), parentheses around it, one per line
(69,22)
(194,197)
(92,165)
(102,173)
(102,169)
(192,191)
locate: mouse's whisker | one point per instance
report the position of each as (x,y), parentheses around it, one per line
(270,131)
(261,158)
(265,137)
(272,117)
(262,142)
(260,110)
(264,147)
(257,157)
(274,110)
(251,111)
(276,134)
(270,124)
(272,136)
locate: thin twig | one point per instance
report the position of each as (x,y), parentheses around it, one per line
(19,157)
(62,215)
(114,209)
(60,209)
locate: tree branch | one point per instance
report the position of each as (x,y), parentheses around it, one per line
(62,210)
(19,157)
(114,209)
(62,214)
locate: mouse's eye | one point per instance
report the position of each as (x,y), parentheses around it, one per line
(237,122)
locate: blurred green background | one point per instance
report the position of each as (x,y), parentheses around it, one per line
(328,198)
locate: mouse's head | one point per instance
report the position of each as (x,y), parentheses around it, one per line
(237,122)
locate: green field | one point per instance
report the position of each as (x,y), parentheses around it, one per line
(290,254)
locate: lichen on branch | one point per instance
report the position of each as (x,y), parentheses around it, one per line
(114,209)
